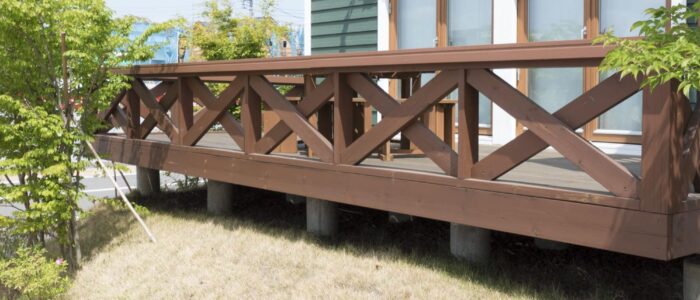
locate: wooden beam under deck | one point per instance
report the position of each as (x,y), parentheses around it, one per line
(607,222)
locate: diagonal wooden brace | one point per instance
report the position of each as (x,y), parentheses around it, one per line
(609,173)
(214,109)
(433,147)
(307,107)
(401,117)
(577,113)
(293,118)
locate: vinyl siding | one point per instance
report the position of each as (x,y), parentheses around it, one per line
(343,26)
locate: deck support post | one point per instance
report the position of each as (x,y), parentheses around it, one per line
(544,244)
(397,218)
(147,181)
(691,278)
(321,217)
(219,197)
(472,244)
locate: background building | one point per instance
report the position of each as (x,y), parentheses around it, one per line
(369,25)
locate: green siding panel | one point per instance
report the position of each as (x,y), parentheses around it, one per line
(317,5)
(351,26)
(353,39)
(350,13)
(343,26)
(332,50)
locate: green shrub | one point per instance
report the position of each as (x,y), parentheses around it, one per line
(31,275)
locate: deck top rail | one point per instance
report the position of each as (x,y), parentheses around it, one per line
(539,54)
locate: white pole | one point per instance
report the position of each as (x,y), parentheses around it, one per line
(121,193)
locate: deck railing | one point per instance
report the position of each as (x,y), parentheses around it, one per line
(670,142)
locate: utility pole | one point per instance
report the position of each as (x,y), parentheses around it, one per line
(249,5)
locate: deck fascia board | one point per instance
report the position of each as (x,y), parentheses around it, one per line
(587,219)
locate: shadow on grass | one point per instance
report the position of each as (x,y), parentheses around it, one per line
(101,227)
(516,265)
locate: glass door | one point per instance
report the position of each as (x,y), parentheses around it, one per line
(471,23)
(416,28)
(416,24)
(623,123)
(550,20)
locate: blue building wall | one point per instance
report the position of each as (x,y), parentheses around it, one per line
(169,40)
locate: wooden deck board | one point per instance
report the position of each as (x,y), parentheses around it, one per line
(547,169)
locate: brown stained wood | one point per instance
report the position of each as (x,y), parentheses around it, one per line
(540,54)
(132,106)
(281,80)
(450,126)
(270,119)
(468,116)
(234,128)
(420,170)
(307,107)
(293,118)
(121,118)
(155,110)
(621,230)
(297,91)
(690,153)
(343,120)
(662,186)
(157,91)
(609,173)
(577,113)
(168,98)
(433,147)
(366,117)
(396,120)
(105,114)
(213,109)
(686,234)
(182,110)
(251,116)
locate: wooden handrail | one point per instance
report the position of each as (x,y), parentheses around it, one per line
(537,54)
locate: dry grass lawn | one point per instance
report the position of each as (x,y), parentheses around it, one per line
(262,251)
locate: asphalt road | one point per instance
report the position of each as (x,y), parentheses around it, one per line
(102,187)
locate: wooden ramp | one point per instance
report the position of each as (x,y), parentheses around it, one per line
(572,192)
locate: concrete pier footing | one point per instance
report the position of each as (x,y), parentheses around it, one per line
(321,217)
(147,181)
(691,278)
(470,243)
(219,197)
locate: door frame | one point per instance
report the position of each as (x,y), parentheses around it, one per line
(591,74)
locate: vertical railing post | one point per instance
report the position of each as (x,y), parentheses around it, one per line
(323,119)
(182,114)
(251,117)
(133,111)
(468,130)
(663,125)
(343,117)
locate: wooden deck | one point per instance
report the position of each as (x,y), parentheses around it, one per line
(546,169)
(574,193)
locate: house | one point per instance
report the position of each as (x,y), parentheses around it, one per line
(291,45)
(369,25)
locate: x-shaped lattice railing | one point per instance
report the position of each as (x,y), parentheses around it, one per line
(557,130)
(544,129)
